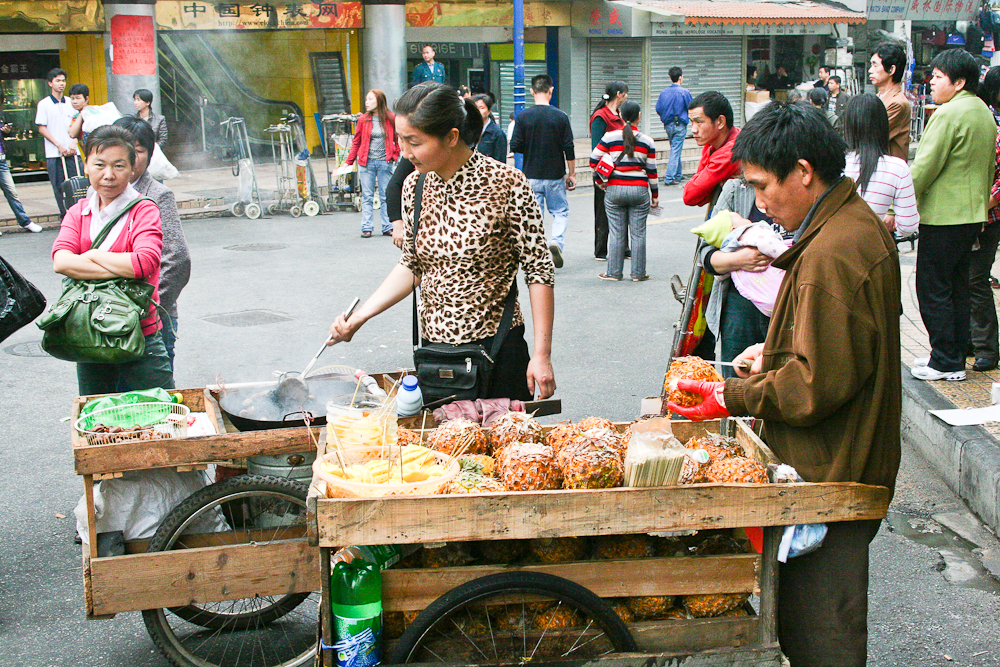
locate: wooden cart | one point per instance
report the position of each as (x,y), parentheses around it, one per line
(749,640)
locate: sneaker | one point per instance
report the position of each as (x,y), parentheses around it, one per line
(928,373)
(33,227)
(601,259)
(920,362)
(366,235)
(557,257)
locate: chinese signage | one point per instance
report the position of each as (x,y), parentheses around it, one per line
(51,16)
(485,14)
(133,41)
(206,15)
(729,29)
(923,10)
(26,65)
(606,19)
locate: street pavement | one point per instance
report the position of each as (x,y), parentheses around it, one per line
(933,602)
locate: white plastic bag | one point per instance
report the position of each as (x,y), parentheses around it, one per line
(160,167)
(95,116)
(804,538)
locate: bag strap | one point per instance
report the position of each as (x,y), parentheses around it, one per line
(506,320)
(103,234)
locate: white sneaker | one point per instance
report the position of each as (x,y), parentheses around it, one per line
(928,373)
(921,361)
(33,227)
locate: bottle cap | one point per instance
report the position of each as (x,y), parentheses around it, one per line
(410,382)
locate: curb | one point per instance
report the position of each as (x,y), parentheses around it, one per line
(967,457)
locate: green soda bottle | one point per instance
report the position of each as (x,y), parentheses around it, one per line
(356,589)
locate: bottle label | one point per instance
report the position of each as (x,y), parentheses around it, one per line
(358,640)
(383,555)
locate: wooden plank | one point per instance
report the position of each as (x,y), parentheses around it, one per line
(213,574)
(326,658)
(769,586)
(88,495)
(621,511)
(694,634)
(411,590)
(202,540)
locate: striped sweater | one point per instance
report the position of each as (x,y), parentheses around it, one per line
(639,170)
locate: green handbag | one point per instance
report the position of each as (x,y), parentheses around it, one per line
(98,321)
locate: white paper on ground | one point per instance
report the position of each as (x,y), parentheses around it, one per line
(969,417)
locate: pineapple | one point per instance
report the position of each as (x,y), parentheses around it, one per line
(473,482)
(737,469)
(395,622)
(557,618)
(596,422)
(621,608)
(676,613)
(557,549)
(452,554)
(623,546)
(529,467)
(458,435)
(713,604)
(405,436)
(687,368)
(719,545)
(650,607)
(514,427)
(737,611)
(588,463)
(484,465)
(718,449)
(500,552)
(561,435)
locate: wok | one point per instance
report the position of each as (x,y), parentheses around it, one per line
(258,408)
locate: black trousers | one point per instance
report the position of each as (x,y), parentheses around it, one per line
(600,225)
(943,291)
(983,324)
(823,599)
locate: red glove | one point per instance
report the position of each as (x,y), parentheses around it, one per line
(711,408)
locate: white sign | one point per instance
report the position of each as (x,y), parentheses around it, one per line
(923,10)
(730,29)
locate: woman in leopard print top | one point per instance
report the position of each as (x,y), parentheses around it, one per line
(479,221)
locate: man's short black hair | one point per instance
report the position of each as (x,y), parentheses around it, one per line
(958,64)
(780,134)
(714,104)
(837,79)
(892,55)
(675,74)
(54,72)
(78,89)
(141,130)
(824,67)
(541,83)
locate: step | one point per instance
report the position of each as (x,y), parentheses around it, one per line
(190,208)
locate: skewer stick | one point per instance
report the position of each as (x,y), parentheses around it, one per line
(423,422)
(356,389)
(337,448)
(469,439)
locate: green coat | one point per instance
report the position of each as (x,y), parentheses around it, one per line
(953,169)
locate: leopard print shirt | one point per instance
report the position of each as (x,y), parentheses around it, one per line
(475,229)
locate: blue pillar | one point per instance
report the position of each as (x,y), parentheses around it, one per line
(518,68)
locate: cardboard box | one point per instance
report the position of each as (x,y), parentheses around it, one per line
(758,95)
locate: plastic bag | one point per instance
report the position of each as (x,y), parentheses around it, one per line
(804,538)
(95,116)
(244,184)
(160,167)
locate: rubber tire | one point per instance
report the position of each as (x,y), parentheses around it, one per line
(311,208)
(600,610)
(272,209)
(253,211)
(237,209)
(295,211)
(185,510)
(357,203)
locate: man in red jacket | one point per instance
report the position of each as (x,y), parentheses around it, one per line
(711,119)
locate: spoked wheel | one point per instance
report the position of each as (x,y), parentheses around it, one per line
(295,211)
(311,208)
(260,631)
(237,208)
(253,211)
(514,618)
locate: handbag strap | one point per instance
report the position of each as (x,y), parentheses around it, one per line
(508,309)
(103,234)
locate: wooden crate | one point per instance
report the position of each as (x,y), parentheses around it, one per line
(496,516)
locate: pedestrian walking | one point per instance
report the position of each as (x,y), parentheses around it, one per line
(631,187)
(429,70)
(672,108)
(7,180)
(953,173)
(543,134)
(883,181)
(838,98)
(887,66)
(376,150)
(143,101)
(605,119)
(53,118)
(712,127)
(493,142)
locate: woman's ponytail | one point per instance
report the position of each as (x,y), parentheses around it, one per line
(629,114)
(472,126)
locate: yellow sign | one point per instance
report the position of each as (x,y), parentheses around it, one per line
(51,16)
(205,15)
(485,14)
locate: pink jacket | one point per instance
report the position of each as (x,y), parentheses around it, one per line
(144,242)
(363,136)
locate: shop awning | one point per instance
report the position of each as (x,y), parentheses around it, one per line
(742,12)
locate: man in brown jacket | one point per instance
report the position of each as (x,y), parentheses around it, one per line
(887,66)
(827,379)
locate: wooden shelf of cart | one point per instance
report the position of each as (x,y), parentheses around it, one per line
(500,516)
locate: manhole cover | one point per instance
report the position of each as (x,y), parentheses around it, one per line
(256,247)
(30,349)
(247,318)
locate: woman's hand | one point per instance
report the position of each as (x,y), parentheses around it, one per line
(342,331)
(398,233)
(890,221)
(541,376)
(745,259)
(754,353)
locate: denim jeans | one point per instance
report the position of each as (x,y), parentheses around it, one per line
(169,333)
(628,207)
(552,193)
(10,192)
(380,171)
(54,165)
(148,372)
(676,132)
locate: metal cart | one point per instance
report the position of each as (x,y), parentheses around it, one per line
(247,195)
(343,190)
(296,180)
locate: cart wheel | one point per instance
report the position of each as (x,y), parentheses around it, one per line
(272,209)
(269,631)
(514,618)
(253,211)
(296,211)
(237,209)
(311,208)
(357,203)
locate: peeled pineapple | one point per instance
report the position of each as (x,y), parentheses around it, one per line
(514,427)
(623,546)
(588,463)
(529,467)
(713,604)
(737,469)
(557,549)
(688,368)
(457,435)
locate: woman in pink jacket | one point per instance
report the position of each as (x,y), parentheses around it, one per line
(131,250)
(374,147)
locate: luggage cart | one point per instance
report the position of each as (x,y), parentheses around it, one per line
(247,195)
(296,180)
(343,191)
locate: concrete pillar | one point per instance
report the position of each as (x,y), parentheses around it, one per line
(383,51)
(130,56)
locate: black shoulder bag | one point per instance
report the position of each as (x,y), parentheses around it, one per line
(463,371)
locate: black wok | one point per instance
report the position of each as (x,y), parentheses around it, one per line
(259,408)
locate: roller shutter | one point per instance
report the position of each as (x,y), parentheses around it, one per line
(715,63)
(506,100)
(616,60)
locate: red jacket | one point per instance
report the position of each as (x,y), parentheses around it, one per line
(363,137)
(714,169)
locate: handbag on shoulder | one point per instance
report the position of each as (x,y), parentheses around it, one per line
(20,301)
(99,321)
(463,371)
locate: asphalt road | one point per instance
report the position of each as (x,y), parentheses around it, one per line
(611,344)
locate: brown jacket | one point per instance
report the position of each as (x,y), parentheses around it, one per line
(898,107)
(830,390)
